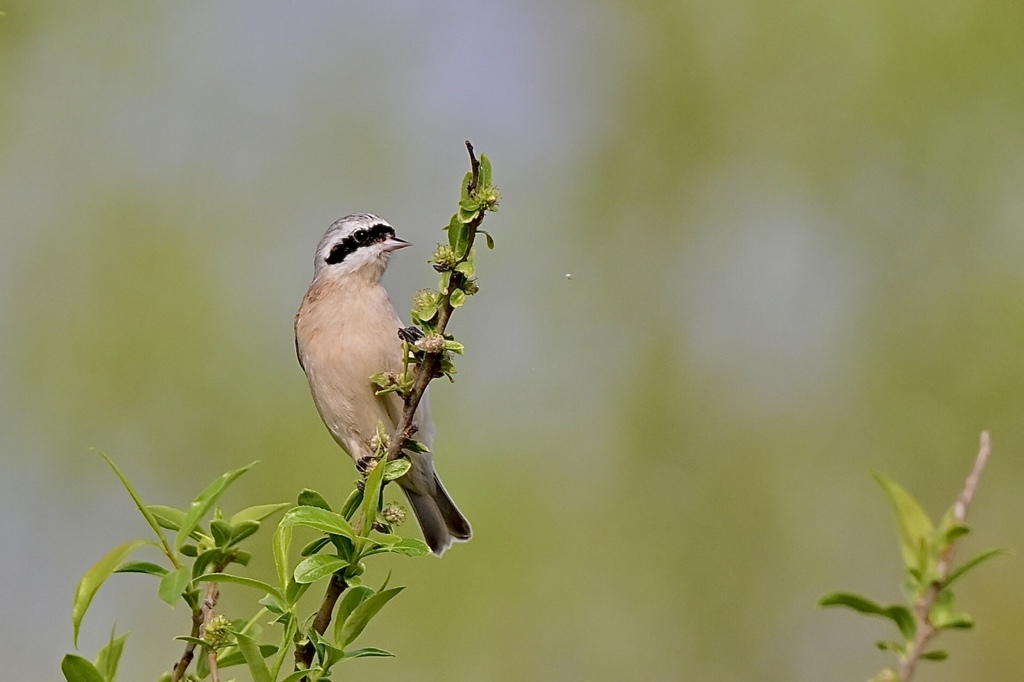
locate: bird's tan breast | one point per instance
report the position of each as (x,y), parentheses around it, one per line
(344,333)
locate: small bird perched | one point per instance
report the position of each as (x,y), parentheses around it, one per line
(346,330)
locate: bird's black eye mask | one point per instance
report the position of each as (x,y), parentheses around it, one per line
(358,239)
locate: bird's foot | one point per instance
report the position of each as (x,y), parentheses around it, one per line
(410,334)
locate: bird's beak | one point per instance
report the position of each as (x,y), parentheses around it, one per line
(394,244)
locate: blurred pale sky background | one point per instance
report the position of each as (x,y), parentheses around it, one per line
(795,233)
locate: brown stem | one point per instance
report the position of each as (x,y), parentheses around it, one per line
(428,368)
(475,165)
(209,602)
(186,657)
(200,617)
(304,654)
(922,609)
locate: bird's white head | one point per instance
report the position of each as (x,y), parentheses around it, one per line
(358,243)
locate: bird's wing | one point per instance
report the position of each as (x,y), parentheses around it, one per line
(298,353)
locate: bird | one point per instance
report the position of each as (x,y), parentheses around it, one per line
(346,330)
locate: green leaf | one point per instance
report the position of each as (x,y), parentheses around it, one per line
(898,614)
(299,674)
(414,445)
(367,651)
(366,610)
(141,567)
(458,235)
(205,560)
(221,531)
(311,498)
(282,543)
(241,580)
(242,531)
(490,239)
(397,468)
(955,532)
(253,658)
(195,640)
(355,498)
(95,577)
(318,566)
(205,501)
(327,653)
(903,618)
(353,598)
(295,591)
(173,584)
(853,601)
(467,217)
(465,185)
(469,205)
(270,603)
(235,657)
(894,647)
(944,616)
(915,527)
(483,177)
(430,312)
(371,497)
(167,517)
(318,519)
(455,347)
(110,656)
(78,669)
(315,546)
(150,519)
(257,513)
(458,298)
(442,285)
(410,547)
(937,655)
(960,570)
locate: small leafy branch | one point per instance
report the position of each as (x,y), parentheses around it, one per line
(927,551)
(428,347)
(206,544)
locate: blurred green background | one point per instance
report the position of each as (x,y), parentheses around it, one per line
(795,234)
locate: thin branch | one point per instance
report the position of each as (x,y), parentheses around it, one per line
(304,654)
(475,165)
(922,609)
(428,369)
(200,617)
(190,647)
(209,602)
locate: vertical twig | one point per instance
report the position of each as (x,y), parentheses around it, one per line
(922,609)
(427,370)
(200,617)
(210,598)
(304,654)
(474,165)
(181,666)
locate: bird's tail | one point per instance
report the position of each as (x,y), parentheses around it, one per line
(440,520)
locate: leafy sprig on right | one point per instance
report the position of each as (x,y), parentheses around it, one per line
(428,346)
(927,550)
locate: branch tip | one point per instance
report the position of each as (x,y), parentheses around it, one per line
(475,164)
